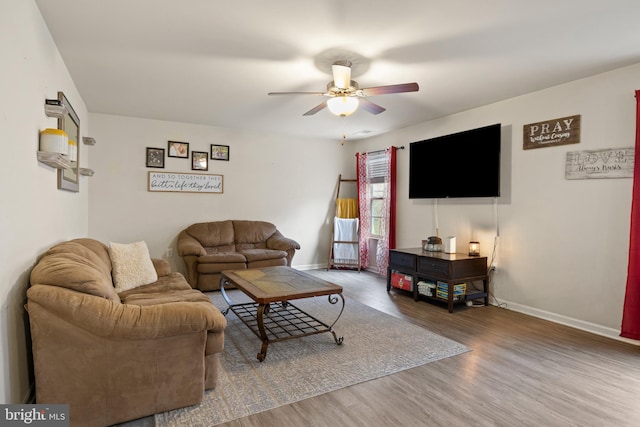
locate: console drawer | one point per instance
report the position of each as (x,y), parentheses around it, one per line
(433,266)
(400,260)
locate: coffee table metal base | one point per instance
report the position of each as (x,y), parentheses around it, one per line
(281,321)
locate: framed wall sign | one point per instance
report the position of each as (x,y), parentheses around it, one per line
(562,131)
(607,163)
(178,182)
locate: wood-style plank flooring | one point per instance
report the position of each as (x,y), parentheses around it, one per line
(523,371)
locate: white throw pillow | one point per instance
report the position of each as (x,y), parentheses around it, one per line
(132,265)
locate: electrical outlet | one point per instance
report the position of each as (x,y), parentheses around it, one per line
(169,252)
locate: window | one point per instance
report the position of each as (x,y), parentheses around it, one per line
(378,192)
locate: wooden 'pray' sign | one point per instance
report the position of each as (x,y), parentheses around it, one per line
(565,130)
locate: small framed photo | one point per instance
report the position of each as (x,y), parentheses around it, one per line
(219,152)
(179,149)
(199,161)
(155,157)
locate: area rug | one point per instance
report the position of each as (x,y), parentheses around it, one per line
(375,344)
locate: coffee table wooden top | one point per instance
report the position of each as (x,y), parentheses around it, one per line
(271,284)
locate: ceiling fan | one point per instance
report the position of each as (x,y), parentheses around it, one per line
(345,95)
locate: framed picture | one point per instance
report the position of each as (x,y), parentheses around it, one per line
(199,161)
(155,157)
(179,149)
(219,152)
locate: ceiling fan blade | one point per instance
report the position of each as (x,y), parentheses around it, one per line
(384,90)
(370,106)
(296,93)
(341,74)
(316,109)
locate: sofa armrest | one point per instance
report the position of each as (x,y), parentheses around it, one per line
(162,267)
(187,245)
(114,320)
(278,242)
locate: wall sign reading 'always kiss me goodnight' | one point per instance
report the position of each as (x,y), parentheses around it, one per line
(179,182)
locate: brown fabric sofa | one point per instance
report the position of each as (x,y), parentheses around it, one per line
(117,357)
(208,248)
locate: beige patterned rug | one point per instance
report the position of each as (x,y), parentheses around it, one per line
(375,344)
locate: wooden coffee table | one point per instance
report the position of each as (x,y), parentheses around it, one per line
(271,315)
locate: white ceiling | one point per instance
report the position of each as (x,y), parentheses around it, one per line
(213,62)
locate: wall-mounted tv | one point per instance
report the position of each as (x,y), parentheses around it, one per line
(463,164)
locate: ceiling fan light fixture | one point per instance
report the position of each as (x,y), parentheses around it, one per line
(341,74)
(343,105)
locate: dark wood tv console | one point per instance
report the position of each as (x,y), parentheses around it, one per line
(440,267)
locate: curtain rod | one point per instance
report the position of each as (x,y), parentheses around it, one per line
(380,151)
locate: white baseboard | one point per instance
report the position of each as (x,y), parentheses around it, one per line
(310,267)
(568,321)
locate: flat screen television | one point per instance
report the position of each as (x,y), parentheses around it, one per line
(463,164)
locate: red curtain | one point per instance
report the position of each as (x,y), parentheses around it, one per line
(364,208)
(631,313)
(388,241)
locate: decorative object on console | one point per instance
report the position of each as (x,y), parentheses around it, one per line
(474,249)
(450,245)
(434,244)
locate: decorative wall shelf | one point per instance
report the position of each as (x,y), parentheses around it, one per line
(54,108)
(55,160)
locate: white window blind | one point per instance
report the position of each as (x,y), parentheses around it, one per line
(377,166)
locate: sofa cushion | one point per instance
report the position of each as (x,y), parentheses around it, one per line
(211,234)
(132,265)
(168,289)
(250,233)
(169,282)
(262,254)
(82,265)
(222,257)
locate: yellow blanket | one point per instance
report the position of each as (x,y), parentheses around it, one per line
(347,208)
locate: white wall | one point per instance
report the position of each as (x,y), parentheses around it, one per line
(34,213)
(290,182)
(563,246)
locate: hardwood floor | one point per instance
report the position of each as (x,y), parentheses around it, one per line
(523,371)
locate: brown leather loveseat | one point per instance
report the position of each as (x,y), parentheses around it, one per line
(117,356)
(208,248)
